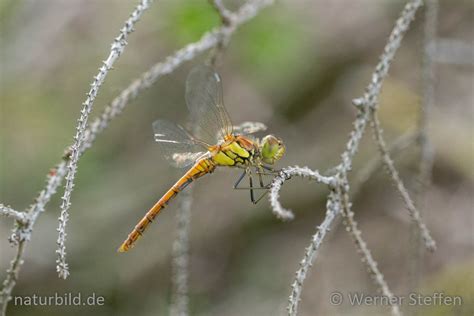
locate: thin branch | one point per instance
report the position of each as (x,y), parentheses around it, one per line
(372,92)
(388,162)
(225,15)
(227,19)
(9,212)
(333,208)
(116,50)
(425,166)
(428,78)
(284,175)
(12,277)
(53,181)
(22,233)
(180,263)
(395,148)
(366,105)
(353,230)
(452,51)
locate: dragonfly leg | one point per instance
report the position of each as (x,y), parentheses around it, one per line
(259,171)
(251,188)
(249,172)
(261,196)
(260,178)
(268,168)
(239,180)
(236,185)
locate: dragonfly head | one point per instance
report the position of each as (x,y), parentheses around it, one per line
(272,149)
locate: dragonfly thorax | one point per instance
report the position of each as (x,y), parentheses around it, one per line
(236,151)
(242,151)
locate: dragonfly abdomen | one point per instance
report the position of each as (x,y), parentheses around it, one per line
(200,168)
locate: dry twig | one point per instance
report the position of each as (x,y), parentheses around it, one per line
(395,148)
(426,156)
(333,208)
(22,232)
(366,255)
(116,50)
(338,198)
(9,212)
(410,205)
(180,263)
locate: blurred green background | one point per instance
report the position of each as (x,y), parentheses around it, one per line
(295,67)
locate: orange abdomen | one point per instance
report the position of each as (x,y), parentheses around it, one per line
(200,168)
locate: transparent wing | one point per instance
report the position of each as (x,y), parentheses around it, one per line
(249,128)
(177,145)
(205,102)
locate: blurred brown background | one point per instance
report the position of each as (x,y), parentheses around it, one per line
(296,68)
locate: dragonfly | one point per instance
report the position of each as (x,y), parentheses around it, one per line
(214,142)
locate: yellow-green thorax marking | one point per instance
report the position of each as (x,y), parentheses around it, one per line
(235,151)
(241,151)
